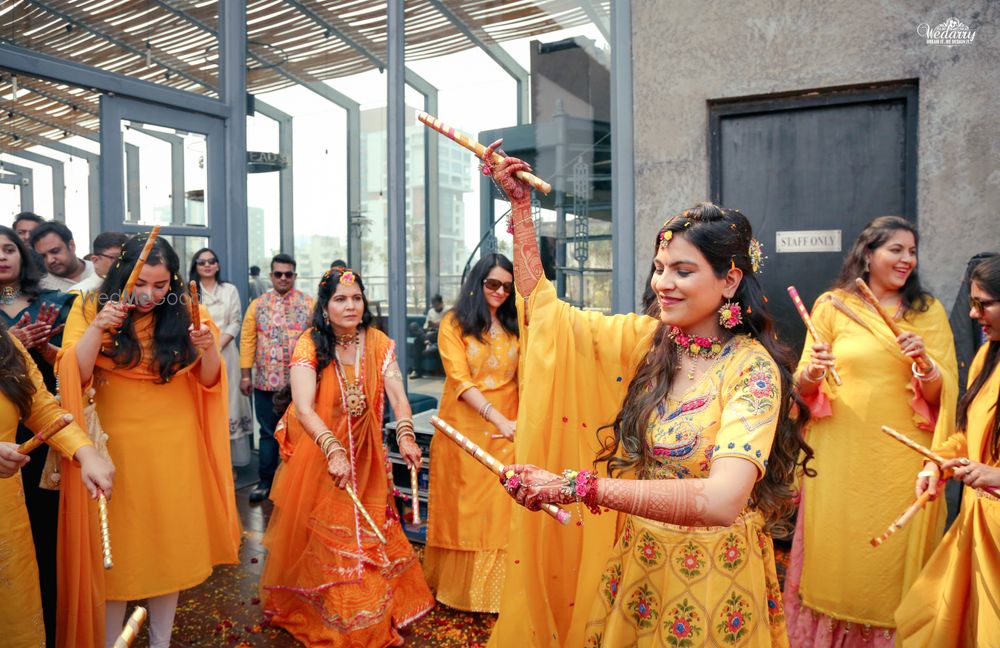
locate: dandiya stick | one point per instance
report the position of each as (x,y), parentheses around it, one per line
(413,493)
(139,264)
(901,521)
(195,311)
(488,460)
(804,314)
(364,514)
(131,629)
(929,454)
(923,364)
(102,511)
(45,433)
(465,141)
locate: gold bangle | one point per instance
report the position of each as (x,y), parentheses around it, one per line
(815,379)
(409,433)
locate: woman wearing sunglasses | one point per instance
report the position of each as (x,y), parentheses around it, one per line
(953,602)
(223,303)
(468,515)
(840,590)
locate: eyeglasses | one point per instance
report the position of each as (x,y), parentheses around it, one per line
(205,262)
(109,257)
(283,275)
(495,285)
(981,305)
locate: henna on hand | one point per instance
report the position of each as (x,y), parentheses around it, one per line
(675,501)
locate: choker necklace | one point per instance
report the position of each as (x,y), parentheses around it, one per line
(695,346)
(347,340)
(8,294)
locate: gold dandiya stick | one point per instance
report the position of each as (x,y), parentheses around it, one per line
(804,314)
(923,364)
(102,511)
(139,264)
(903,519)
(131,629)
(491,462)
(930,455)
(465,141)
(45,433)
(364,513)
(195,311)
(413,493)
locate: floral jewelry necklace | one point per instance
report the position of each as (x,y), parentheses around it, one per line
(354,393)
(347,340)
(695,346)
(8,294)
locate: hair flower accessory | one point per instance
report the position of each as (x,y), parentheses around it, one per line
(665,238)
(348,277)
(756,254)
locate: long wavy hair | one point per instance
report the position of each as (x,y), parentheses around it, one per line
(723,236)
(172,348)
(15,383)
(471,310)
(31,274)
(193,274)
(322,329)
(987,277)
(873,236)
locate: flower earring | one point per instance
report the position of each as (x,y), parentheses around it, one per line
(730,315)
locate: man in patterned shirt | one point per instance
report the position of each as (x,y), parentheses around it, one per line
(271,327)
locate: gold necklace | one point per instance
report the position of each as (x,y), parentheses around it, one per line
(353,393)
(9,294)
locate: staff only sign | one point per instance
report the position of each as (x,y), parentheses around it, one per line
(807,241)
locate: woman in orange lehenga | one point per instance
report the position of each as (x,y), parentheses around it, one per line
(328,580)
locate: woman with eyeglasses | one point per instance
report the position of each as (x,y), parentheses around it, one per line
(841,590)
(222,300)
(468,516)
(953,602)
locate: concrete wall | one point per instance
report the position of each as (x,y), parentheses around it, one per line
(687,52)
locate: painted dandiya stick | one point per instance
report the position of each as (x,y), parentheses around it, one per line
(195,311)
(929,454)
(491,462)
(465,141)
(416,499)
(901,521)
(139,264)
(923,364)
(45,433)
(131,629)
(102,511)
(364,513)
(804,314)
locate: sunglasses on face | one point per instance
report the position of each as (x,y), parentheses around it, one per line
(495,285)
(205,262)
(283,275)
(981,305)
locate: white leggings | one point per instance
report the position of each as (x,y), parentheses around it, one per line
(161,620)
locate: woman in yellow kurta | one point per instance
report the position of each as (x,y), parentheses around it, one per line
(703,449)
(23,397)
(469,517)
(954,600)
(160,396)
(328,580)
(840,590)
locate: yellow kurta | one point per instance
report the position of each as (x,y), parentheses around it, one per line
(468,512)
(574,370)
(954,601)
(173,516)
(21,607)
(714,586)
(864,478)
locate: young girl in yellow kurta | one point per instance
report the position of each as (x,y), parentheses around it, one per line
(954,600)
(469,517)
(703,449)
(23,397)
(841,591)
(160,396)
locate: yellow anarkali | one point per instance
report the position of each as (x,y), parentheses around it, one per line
(840,590)
(21,610)
(575,367)
(954,600)
(468,513)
